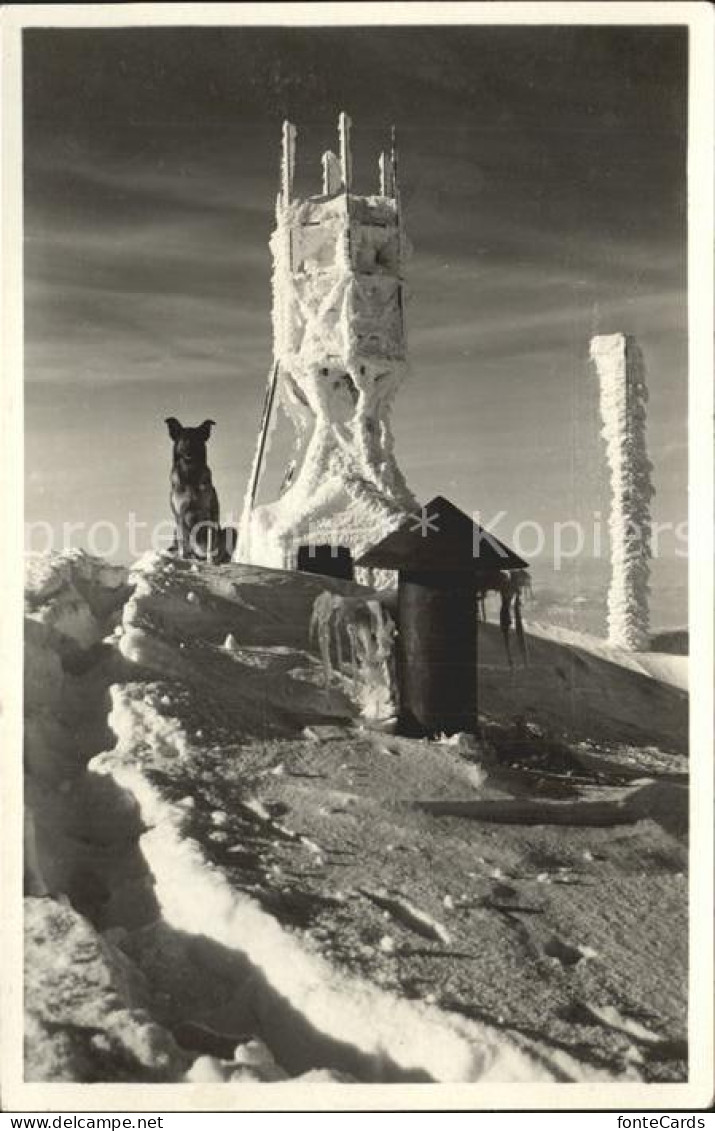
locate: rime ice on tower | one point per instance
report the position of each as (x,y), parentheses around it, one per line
(621,372)
(339,358)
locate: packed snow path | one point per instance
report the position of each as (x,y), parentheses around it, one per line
(264,903)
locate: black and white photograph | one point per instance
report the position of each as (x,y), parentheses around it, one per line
(366,700)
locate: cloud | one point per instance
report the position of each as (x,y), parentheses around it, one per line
(118,187)
(502,329)
(152,295)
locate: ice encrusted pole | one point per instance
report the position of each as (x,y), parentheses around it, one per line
(623,397)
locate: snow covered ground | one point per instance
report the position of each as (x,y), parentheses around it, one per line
(232,875)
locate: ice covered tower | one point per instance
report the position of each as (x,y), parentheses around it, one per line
(340,354)
(621,373)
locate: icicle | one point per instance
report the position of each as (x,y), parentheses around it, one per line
(332,174)
(505,621)
(339,641)
(519,626)
(370,632)
(319,630)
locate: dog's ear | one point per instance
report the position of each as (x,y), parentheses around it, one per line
(205,429)
(175,428)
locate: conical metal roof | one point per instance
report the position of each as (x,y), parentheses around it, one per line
(442,539)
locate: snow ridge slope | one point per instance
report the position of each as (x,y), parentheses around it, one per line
(179,872)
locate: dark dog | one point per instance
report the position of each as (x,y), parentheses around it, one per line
(194,502)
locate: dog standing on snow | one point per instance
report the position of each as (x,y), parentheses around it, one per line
(194,502)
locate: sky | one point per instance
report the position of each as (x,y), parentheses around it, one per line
(543,185)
